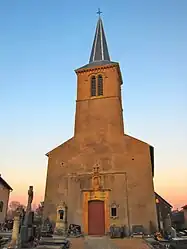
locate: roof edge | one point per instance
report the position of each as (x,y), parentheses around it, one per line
(163,199)
(5,183)
(51,151)
(184,207)
(95,65)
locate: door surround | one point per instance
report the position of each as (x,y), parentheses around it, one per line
(91,195)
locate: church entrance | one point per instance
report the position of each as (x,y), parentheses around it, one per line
(96,217)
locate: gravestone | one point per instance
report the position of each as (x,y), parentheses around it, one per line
(138,229)
(28,230)
(74,231)
(117,231)
(47,229)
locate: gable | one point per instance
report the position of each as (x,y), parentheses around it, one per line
(59,147)
(5,184)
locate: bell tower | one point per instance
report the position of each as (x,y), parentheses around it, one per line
(122,176)
(99,105)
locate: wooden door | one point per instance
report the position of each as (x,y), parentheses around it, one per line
(96,218)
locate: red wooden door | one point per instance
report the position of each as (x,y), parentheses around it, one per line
(96,218)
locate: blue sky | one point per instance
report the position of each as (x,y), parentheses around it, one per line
(42,42)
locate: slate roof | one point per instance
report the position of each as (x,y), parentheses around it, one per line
(98,63)
(4,183)
(99,48)
(99,54)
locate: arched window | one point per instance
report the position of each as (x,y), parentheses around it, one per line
(100,85)
(1,206)
(93,86)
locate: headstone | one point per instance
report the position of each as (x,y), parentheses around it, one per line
(57,242)
(173,233)
(47,229)
(74,231)
(29,219)
(24,235)
(22,216)
(137,230)
(117,231)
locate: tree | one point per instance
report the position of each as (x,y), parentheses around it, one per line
(39,209)
(13,206)
(39,213)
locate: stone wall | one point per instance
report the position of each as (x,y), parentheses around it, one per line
(70,171)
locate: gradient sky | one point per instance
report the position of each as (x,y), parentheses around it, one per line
(42,42)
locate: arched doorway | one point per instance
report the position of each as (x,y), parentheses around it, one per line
(96,217)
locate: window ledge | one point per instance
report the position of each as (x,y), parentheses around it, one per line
(96,97)
(114,217)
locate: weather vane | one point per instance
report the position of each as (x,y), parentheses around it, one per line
(99,12)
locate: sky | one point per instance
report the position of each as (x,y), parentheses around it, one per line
(43,42)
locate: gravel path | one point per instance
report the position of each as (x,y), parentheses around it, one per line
(99,243)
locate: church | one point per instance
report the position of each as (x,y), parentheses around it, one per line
(103,175)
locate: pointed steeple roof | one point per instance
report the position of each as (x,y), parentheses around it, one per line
(99,48)
(99,53)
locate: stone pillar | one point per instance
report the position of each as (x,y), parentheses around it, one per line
(61,220)
(15,232)
(26,232)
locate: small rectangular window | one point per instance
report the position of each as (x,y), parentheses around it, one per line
(61,212)
(1,206)
(113,212)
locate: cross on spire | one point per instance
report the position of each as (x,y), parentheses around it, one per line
(99,12)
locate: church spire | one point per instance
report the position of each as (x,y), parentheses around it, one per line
(99,49)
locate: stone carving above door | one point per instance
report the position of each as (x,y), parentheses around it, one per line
(96,178)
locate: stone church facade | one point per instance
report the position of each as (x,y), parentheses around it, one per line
(104,176)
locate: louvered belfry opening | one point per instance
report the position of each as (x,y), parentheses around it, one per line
(100,85)
(97,86)
(93,86)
